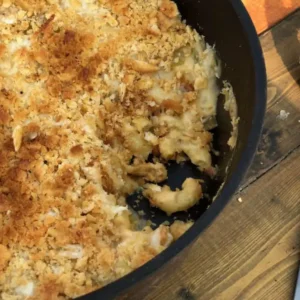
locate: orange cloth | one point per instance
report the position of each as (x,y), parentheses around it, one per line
(266,13)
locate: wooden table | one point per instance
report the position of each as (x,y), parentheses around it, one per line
(252,250)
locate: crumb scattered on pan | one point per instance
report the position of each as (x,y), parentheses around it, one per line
(230,105)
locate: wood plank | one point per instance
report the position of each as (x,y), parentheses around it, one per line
(252,250)
(280,136)
(265,13)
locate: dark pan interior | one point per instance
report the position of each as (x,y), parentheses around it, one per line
(226,24)
(229,42)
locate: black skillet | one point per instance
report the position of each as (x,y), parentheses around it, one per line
(226,24)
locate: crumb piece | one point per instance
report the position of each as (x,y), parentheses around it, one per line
(17,137)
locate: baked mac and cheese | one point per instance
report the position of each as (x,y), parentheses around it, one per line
(88,90)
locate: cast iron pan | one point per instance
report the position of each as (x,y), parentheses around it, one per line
(226,24)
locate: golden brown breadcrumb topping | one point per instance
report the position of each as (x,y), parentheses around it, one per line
(88,90)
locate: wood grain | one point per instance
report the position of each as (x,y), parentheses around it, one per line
(252,250)
(265,13)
